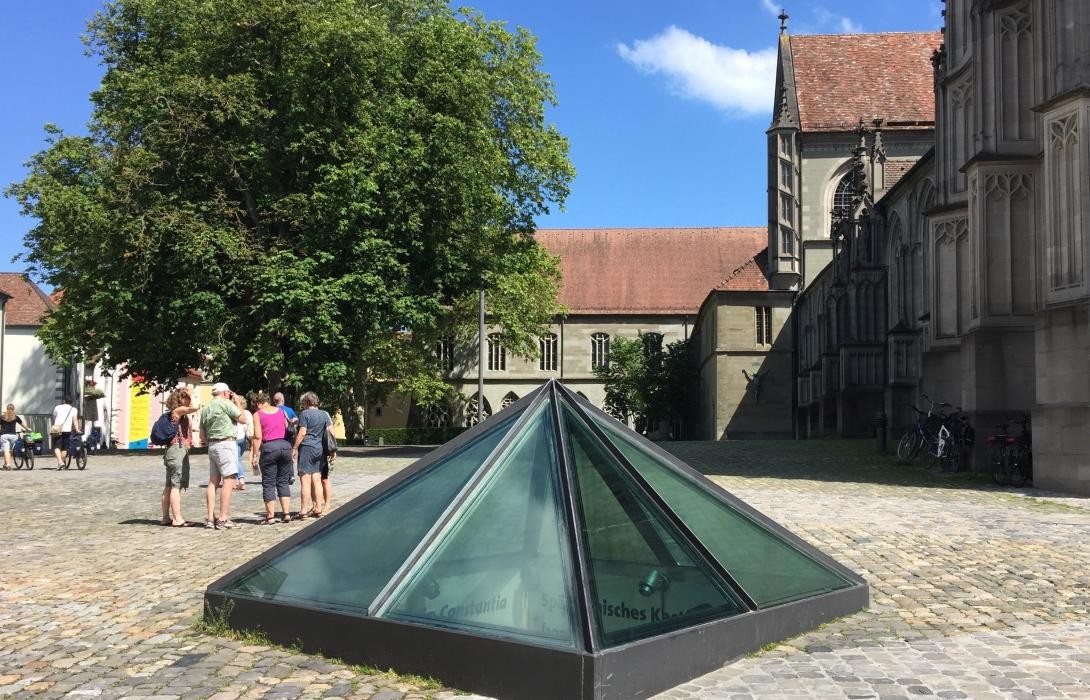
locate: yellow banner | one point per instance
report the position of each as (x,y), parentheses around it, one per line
(139,417)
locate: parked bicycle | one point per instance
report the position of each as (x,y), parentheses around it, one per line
(955,433)
(919,435)
(1019,455)
(24,447)
(77,452)
(997,454)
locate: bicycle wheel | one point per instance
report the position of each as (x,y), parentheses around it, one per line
(907,447)
(997,457)
(951,460)
(1019,465)
(81,458)
(28,458)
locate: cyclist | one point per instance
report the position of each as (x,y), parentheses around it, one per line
(66,418)
(8,436)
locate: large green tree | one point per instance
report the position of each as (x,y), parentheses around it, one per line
(650,385)
(298,192)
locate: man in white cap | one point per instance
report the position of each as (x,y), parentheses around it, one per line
(218,431)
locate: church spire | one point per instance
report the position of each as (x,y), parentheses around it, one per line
(783,16)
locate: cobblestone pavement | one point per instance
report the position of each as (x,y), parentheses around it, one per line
(977,592)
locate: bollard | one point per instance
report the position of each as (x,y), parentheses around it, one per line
(381,441)
(880,422)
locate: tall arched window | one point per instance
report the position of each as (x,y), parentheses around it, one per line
(842,197)
(599,350)
(445,350)
(509,399)
(652,344)
(497,354)
(473,417)
(547,360)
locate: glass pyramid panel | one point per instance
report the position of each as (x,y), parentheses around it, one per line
(646,581)
(346,565)
(503,567)
(767,567)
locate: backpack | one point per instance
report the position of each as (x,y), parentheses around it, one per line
(163,431)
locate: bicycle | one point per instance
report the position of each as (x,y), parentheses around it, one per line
(997,454)
(1019,456)
(947,450)
(918,436)
(77,451)
(23,449)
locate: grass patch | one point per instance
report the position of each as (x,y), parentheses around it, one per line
(216,623)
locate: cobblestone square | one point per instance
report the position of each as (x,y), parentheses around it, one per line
(977,591)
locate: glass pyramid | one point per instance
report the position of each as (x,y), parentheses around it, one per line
(549,527)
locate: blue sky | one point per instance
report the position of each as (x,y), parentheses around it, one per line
(664,104)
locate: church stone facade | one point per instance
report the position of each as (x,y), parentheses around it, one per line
(962,276)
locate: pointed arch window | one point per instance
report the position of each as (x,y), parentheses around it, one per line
(444,349)
(652,344)
(599,350)
(497,354)
(547,360)
(842,197)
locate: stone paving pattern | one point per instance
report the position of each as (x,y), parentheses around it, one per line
(977,592)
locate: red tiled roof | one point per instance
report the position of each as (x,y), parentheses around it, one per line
(647,270)
(896,169)
(750,277)
(28,304)
(840,78)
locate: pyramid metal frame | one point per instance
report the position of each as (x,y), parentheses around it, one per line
(510,668)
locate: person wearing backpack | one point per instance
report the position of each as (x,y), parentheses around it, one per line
(174,431)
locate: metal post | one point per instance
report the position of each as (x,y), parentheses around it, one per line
(481,358)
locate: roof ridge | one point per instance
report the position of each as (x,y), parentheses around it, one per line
(930,31)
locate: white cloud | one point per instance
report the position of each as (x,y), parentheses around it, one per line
(849,27)
(771,7)
(734,80)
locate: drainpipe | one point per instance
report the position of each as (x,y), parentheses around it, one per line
(795,365)
(3,334)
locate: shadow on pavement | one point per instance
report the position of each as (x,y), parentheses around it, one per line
(854,461)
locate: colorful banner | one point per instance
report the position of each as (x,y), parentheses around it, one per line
(139,417)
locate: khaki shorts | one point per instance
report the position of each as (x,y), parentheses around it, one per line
(176,460)
(223,458)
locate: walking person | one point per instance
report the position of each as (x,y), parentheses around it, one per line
(176,458)
(66,419)
(327,466)
(243,433)
(9,423)
(307,453)
(293,421)
(271,453)
(218,420)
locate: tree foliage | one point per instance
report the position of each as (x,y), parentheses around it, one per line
(298,193)
(647,384)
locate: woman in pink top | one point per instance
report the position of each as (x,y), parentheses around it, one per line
(271,457)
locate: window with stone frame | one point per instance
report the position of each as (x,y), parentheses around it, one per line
(842,197)
(652,344)
(762,316)
(547,361)
(497,354)
(445,351)
(599,350)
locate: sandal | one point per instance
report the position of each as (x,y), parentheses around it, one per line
(225,524)
(316,514)
(184,523)
(209,525)
(270,520)
(286,519)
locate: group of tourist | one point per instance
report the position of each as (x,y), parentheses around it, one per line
(65,422)
(280,443)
